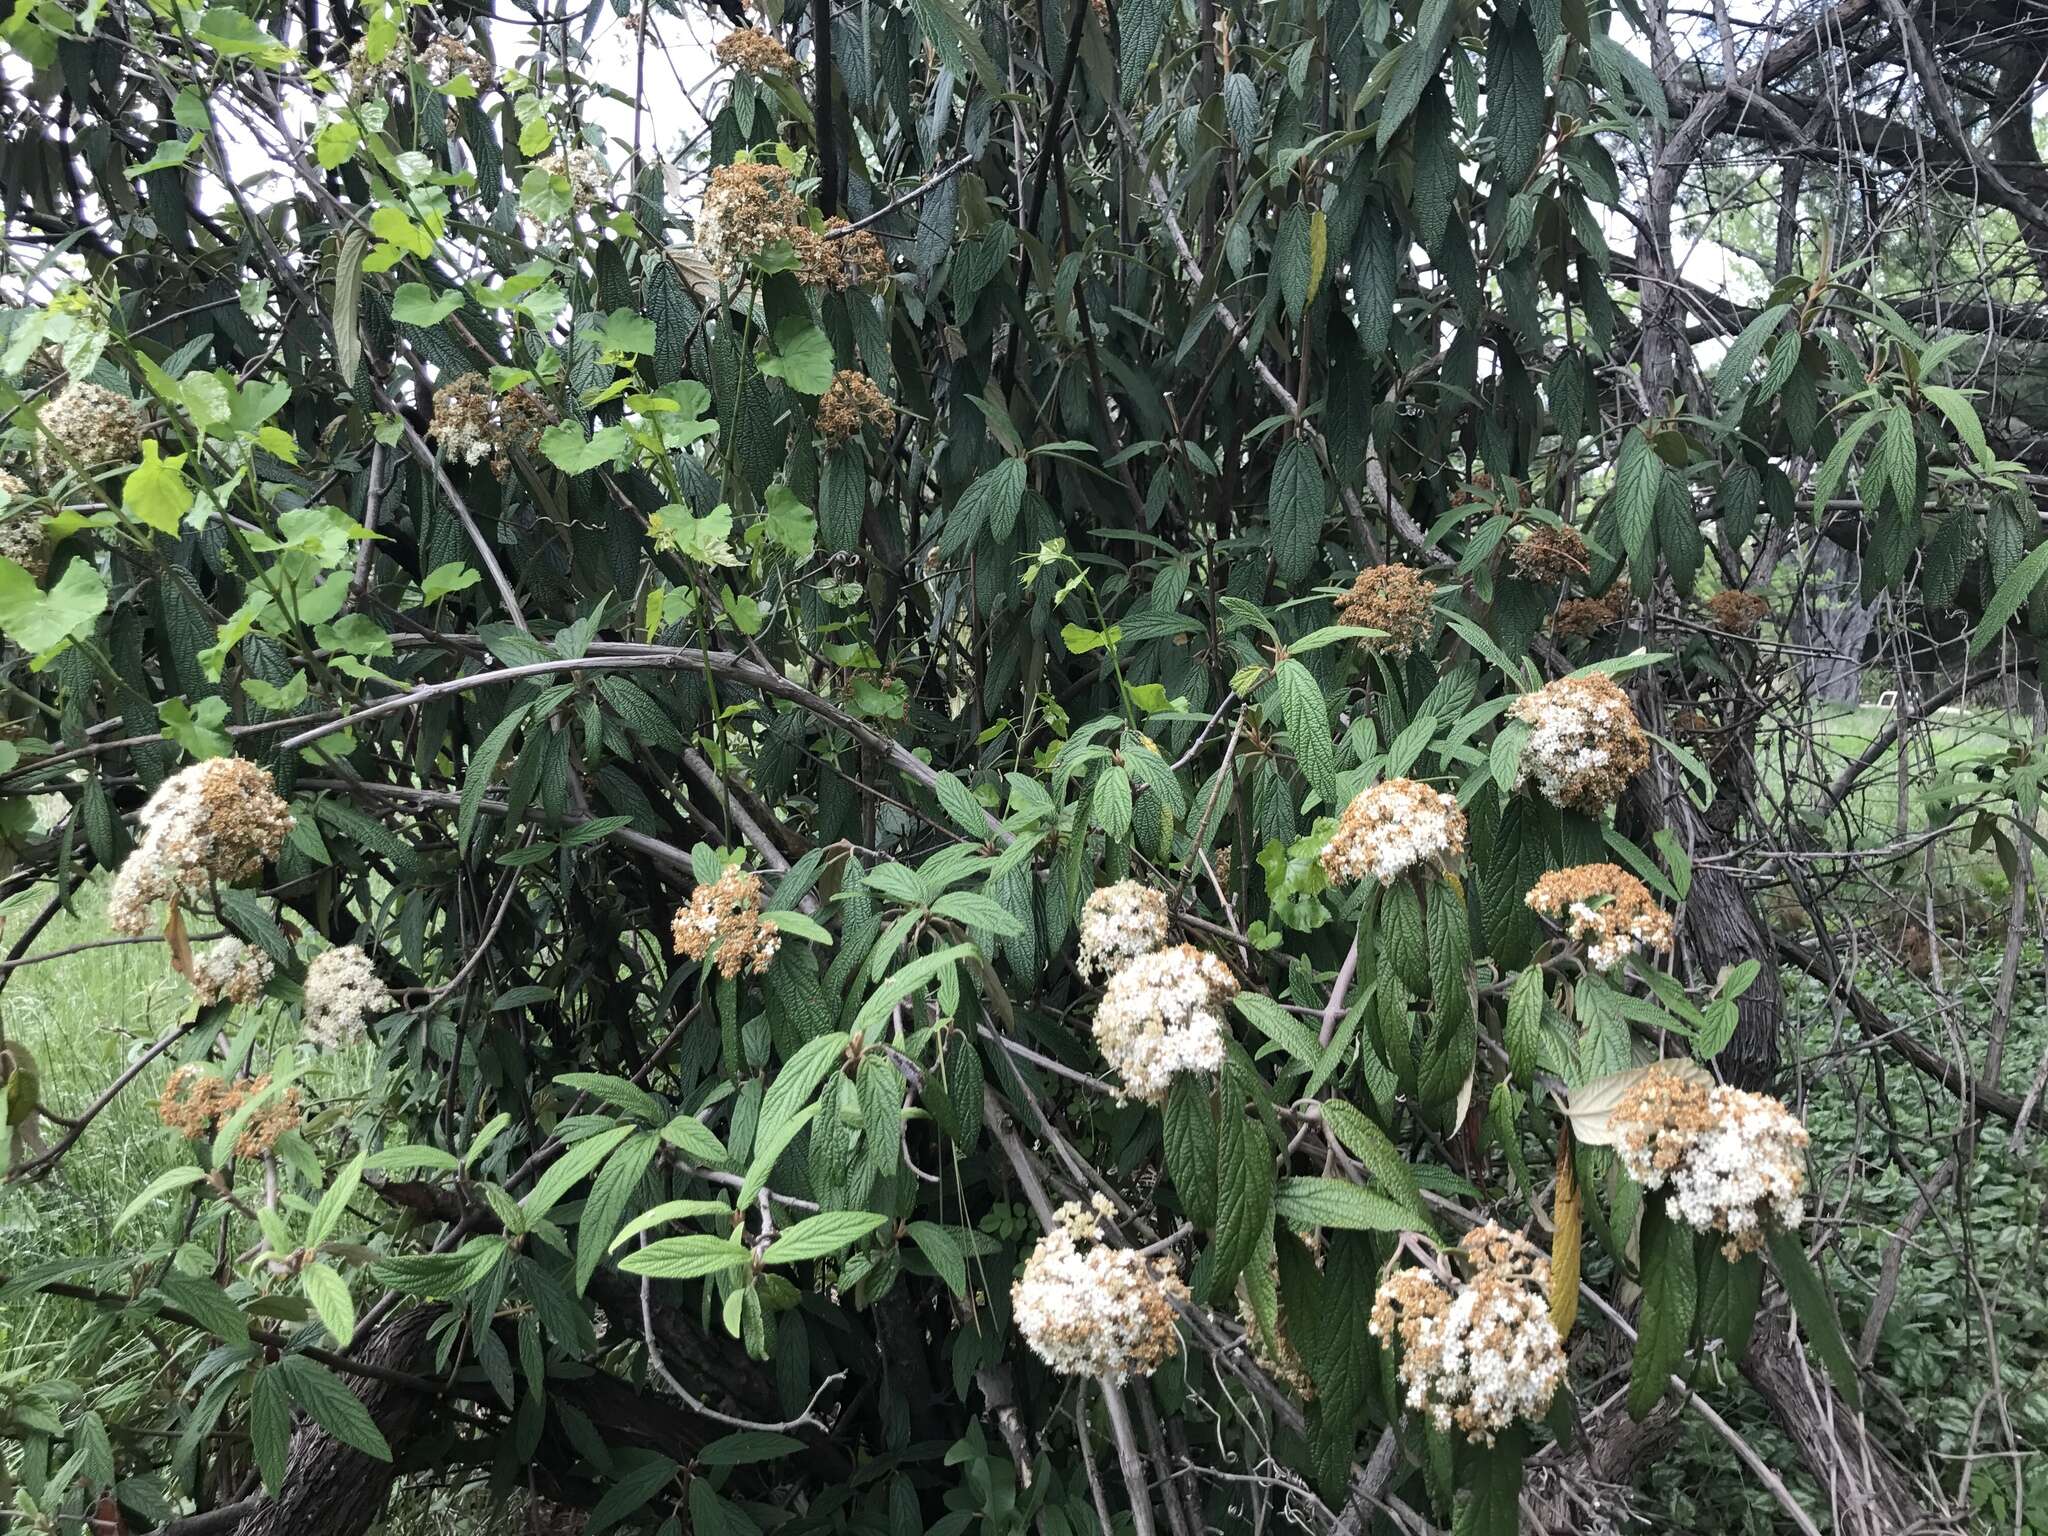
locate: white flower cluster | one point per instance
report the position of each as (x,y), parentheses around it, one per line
(1609,910)
(220,820)
(1160,1016)
(1584,743)
(1095,1310)
(1735,1162)
(231,970)
(93,425)
(343,993)
(1119,923)
(1483,1354)
(581,168)
(1391,828)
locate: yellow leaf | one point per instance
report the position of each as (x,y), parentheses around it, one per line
(1564,1244)
(1318,251)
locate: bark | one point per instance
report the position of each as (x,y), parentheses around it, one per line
(1868,1492)
(329,1489)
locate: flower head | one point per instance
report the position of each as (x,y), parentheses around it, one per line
(446,56)
(853,401)
(748,207)
(1119,923)
(1737,613)
(1584,743)
(726,916)
(1735,1162)
(231,970)
(1391,828)
(581,168)
(343,993)
(753,52)
(1607,906)
(472,422)
(840,258)
(1481,1354)
(1160,1016)
(22,537)
(1396,599)
(217,821)
(1087,1309)
(1579,618)
(194,1103)
(1551,555)
(93,425)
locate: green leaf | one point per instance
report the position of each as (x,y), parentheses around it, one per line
(1420,58)
(642,1481)
(801,356)
(685,1258)
(1373,1147)
(334,1203)
(1815,1312)
(156,1189)
(799,1078)
(1308,727)
(570,1169)
(332,1406)
(1492,1476)
(156,491)
(568,451)
(270,1426)
(1244,1188)
(417,304)
(1670,1280)
(446,580)
(1295,503)
(328,1293)
(943,1251)
(1306,1203)
(37,620)
(1189,1129)
(819,1235)
(2011,596)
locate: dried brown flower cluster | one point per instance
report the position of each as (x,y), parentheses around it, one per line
(856,259)
(447,56)
(1395,599)
(1578,617)
(473,422)
(22,538)
(217,821)
(1607,906)
(755,53)
(194,1103)
(1735,1162)
(1391,828)
(726,916)
(852,402)
(1584,743)
(1737,613)
(1485,1353)
(748,207)
(1552,555)
(92,425)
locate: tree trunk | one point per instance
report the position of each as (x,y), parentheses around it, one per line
(1868,1493)
(329,1489)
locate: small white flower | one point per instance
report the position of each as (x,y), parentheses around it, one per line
(1087,1309)
(231,970)
(1734,1162)
(1119,923)
(1391,828)
(343,993)
(1160,1016)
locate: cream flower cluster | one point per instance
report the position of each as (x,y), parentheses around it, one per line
(1391,828)
(1087,1309)
(1584,743)
(94,425)
(1606,905)
(1482,1354)
(581,168)
(220,820)
(22,538)
(747,207)
(1120,922)
(1735,1162)
(231,970)
(1161,1016)
(343,993)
